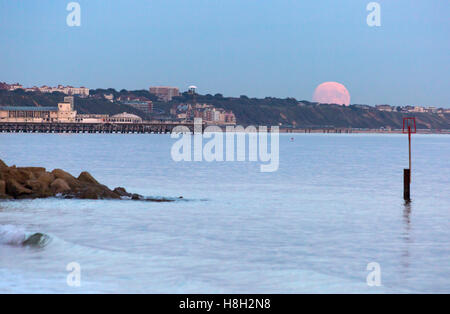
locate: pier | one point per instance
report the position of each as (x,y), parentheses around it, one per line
(150,127)
(318,130)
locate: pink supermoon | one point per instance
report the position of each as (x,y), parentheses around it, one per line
(332,93)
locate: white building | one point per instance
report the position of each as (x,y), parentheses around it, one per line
(68,90)
(125,117)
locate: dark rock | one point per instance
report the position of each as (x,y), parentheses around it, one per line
(158,200)
(19,175)
(25,175)
(3,194)
(34,170)
(59,186)
(70,179)
(46,178)
(122,192)
(2,164)
(35,182)
(86,177)
(61,174)
(94,192)
(34,185)
(37,240)
(15,189)
(40,189)
(2,187)
(136,197)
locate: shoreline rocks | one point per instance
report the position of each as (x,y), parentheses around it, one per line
(37,182)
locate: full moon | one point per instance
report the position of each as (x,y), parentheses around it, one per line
(332,93)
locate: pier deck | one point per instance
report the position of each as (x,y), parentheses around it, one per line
(30,127)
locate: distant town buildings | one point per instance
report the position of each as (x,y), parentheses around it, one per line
(165,93)
(407,109)
(68,90)
(144,106)
(140,103)
(12,87)
(207,112)
(431,109)
(109,97)
(364,107)
(384,108)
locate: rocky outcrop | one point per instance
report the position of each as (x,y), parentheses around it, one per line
(46,178)
(122,192)
(86,177)
(3,194)
(59,186)
(68,178)
(2,187)
(36,182)
(2,164)
(15,189)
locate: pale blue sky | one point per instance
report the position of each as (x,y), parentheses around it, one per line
(254,47)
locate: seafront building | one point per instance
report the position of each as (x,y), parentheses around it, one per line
(60,114)
(28,114)
(64,112)
(92,118)
(125,117)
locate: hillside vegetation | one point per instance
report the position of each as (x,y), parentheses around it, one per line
(301,114)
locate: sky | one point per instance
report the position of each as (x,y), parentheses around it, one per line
(258,48)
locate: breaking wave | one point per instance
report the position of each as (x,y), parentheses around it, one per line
(13,235)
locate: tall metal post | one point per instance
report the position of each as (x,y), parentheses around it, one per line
(409,142)
(408,123)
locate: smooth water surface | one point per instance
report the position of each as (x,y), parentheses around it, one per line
(334,206)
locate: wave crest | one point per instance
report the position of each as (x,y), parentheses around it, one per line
(13,235)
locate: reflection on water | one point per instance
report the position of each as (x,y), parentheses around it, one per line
(406,235)
(407,217)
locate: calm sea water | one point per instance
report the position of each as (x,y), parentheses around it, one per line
(334,205)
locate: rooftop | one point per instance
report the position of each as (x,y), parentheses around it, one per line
(126,115)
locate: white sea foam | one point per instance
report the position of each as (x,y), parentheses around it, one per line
(12,235)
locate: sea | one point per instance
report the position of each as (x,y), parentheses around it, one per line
(331,219)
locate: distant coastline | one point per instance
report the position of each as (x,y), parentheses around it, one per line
(291,115)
